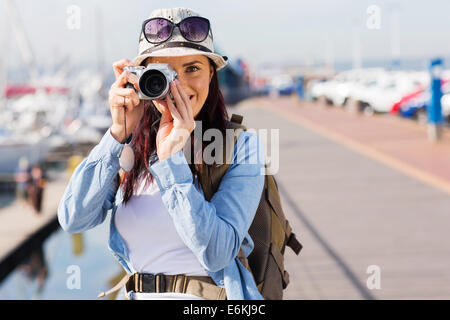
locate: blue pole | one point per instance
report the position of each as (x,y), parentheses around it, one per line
(300,87)
(434,110)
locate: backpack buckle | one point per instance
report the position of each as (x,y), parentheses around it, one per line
(294,244)
(236,118)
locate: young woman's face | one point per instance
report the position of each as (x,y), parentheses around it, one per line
(194,73)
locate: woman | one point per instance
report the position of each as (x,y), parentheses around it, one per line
(173,243)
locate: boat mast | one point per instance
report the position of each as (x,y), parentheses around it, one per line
(99,41)
(356,45)
(395,35)
(22,40)
(4,49)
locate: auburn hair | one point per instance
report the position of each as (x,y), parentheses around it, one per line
(212,115)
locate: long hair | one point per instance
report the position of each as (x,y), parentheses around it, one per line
(212,115)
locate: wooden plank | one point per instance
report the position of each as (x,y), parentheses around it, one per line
(21,228)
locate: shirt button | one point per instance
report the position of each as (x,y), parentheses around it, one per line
(221,282)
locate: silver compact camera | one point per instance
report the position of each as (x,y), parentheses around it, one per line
(154,80)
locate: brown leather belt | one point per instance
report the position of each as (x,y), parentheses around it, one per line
(201,286)
(148,282)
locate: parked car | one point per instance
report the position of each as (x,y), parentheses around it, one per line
(282,84)
(414,104)
(344,85)
(445,105)
(387,89)
(371,90)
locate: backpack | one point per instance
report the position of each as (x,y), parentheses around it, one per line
(270,230)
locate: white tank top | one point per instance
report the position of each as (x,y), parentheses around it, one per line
(149,232)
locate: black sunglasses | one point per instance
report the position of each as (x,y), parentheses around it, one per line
(158,30)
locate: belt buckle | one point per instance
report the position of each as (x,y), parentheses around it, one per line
(147,281)
(160,282)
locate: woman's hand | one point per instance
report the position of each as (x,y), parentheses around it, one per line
(119,96)
(177,122)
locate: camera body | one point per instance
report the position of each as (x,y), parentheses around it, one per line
(154,80)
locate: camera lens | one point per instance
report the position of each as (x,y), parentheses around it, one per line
(152,83)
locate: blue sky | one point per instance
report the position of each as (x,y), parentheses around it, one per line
(259,31)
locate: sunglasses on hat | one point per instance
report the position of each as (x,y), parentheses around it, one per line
(158,30)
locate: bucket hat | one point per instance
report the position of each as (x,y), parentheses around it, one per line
(177,45)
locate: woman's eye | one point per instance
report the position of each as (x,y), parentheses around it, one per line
(192,68)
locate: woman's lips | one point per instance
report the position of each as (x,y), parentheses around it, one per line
(190,97)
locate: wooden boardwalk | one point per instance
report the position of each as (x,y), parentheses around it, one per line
(20,226)
(360,191)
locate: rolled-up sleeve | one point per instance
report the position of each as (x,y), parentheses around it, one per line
(214,230)
(92,187)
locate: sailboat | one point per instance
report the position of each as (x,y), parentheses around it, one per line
(23,134)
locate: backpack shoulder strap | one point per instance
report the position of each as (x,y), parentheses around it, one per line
(215,175)
(273,197)
(211,176)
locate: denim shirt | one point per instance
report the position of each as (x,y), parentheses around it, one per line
(214,230)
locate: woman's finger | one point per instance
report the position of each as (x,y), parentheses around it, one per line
(126,77)
(180,103)
(173,110)
(122,91)
(119,65)
(133,79)
(134,98)
(119,101)
(186,100)
(121,80)
(161,103)
(129,93)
